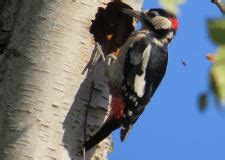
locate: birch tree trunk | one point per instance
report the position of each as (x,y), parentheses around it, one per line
(47,44)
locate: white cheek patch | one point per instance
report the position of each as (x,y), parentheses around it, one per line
(139,82)
(161,22)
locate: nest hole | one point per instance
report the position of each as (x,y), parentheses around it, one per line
(111,27)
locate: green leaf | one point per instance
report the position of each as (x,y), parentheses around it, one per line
(217,76)
(217,30)
(171,5)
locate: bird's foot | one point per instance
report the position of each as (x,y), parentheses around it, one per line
(97,55)
(111,58)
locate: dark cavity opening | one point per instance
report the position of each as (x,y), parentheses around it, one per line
(111,27)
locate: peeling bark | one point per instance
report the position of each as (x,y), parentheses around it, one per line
(48,44)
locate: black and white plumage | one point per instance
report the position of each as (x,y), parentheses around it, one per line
(138,71)
(143,72)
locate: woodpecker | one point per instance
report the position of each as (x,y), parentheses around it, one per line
(137,72)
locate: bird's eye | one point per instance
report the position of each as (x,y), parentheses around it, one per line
(154,14)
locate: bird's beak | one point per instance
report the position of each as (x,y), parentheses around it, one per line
(133,13)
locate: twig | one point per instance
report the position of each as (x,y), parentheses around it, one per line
(220,5)
(86,117)
(84,155)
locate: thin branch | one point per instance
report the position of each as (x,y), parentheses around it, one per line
(220,5)
(86,112)
(84,154)
(85,120)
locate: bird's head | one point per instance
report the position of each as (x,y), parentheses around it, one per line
(160,21)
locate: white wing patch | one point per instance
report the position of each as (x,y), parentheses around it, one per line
(139,85)
(139,82)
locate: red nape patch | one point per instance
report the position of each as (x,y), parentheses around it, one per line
(174,23)
(117,108)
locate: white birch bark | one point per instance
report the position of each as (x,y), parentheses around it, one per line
(50,44)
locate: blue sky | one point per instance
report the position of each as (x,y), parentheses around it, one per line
(172,127)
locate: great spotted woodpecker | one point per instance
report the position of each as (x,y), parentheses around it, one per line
(138,71)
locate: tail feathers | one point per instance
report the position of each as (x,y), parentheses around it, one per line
(129,122)
(105,130)
(124,132)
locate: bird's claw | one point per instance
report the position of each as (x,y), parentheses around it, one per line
(97,55)
(111,58)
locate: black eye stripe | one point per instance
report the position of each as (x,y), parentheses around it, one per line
(162,32)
